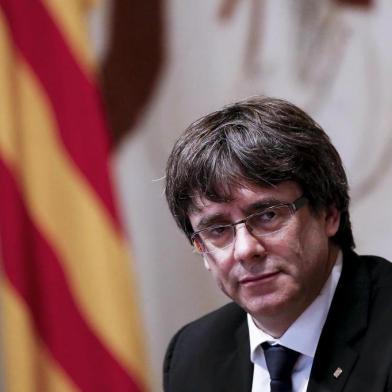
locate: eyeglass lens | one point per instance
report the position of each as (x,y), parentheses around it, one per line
(262,223)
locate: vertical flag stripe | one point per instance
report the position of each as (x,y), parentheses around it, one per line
(67,285)
(51,301)
(81,126)
(8,109)
(21,333)
(73,29)
(82,219)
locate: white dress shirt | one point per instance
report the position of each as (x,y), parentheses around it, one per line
(302,336)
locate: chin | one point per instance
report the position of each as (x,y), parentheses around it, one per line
(267,305)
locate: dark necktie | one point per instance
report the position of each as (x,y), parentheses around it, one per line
(280,362)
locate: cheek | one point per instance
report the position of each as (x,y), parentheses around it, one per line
(298,250)
(223,282)
(312,253)
(287,247)
(219,269)
(221,272)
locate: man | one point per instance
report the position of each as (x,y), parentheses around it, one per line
(262,195)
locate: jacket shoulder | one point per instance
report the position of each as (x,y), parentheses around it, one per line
(197,346)
(221,320)
(356,335)
(210,330)
(380,270)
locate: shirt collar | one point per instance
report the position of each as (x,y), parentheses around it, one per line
(303,335)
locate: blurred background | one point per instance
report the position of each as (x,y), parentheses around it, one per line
(159,65)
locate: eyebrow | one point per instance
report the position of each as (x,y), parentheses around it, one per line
(261,205)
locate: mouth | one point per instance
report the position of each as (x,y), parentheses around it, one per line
(264,278)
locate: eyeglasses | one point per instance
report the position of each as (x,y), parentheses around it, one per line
(262,223)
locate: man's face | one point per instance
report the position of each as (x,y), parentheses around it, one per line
(277,275)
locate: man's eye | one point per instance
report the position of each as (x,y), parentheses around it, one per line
(218,231)
(267,216)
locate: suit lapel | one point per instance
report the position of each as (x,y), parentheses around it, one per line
(235,372)
(341,336)
(332,373)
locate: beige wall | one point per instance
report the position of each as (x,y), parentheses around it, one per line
(333,61)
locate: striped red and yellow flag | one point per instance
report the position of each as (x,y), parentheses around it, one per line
(69,317)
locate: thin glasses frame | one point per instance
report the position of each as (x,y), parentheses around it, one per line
(201,248)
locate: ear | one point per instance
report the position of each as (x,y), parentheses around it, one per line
(332,221)
(206,263)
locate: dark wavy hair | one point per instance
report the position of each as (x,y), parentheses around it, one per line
(261,141)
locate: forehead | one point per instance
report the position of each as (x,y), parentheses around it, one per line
(243,197)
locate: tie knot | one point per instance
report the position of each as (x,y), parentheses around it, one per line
(280,362)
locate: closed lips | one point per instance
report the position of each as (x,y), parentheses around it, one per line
(258,278)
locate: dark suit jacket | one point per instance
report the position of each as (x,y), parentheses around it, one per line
(212,354)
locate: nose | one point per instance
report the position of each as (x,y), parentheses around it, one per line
(247,247)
